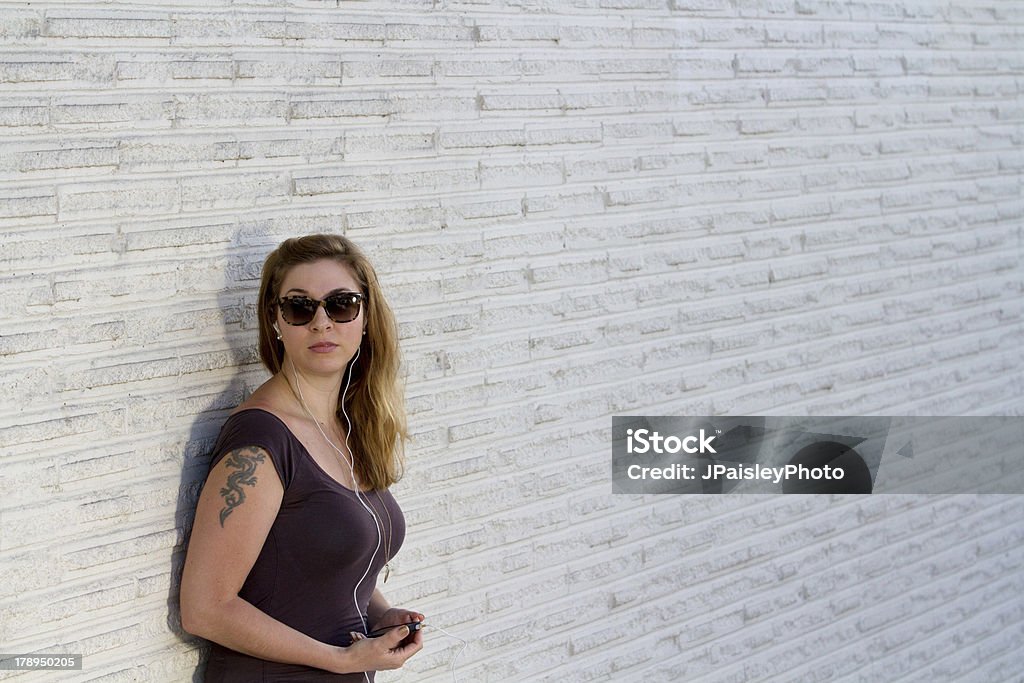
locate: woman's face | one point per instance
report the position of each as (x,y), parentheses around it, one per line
(322,346)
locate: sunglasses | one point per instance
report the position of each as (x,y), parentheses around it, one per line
(342,307)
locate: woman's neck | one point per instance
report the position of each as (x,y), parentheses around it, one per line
(317,396)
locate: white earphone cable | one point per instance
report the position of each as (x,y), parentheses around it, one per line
(465,644)
(355,488)
(352,473)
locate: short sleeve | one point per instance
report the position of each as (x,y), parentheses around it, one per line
(255,427)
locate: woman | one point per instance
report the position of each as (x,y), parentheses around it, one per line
(295,520)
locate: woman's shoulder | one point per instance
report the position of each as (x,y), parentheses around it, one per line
(252,416)
(264,404)
(261,411)
(255,424)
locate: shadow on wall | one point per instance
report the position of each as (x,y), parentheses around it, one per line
(236,302)
(857,477)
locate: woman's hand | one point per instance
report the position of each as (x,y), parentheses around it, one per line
(395,616)
(389,651)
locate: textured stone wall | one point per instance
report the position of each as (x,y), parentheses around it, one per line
(579,209)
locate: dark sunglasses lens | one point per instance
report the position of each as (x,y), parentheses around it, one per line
(342,308)
(298,310)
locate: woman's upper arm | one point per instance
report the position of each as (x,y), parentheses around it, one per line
(236,509)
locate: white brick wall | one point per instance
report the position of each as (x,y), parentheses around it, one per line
(580,209)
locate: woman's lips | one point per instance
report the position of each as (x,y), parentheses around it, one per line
(323,347)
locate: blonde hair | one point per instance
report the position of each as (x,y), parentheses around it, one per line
(374,401)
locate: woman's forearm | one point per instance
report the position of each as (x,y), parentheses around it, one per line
(238,625)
